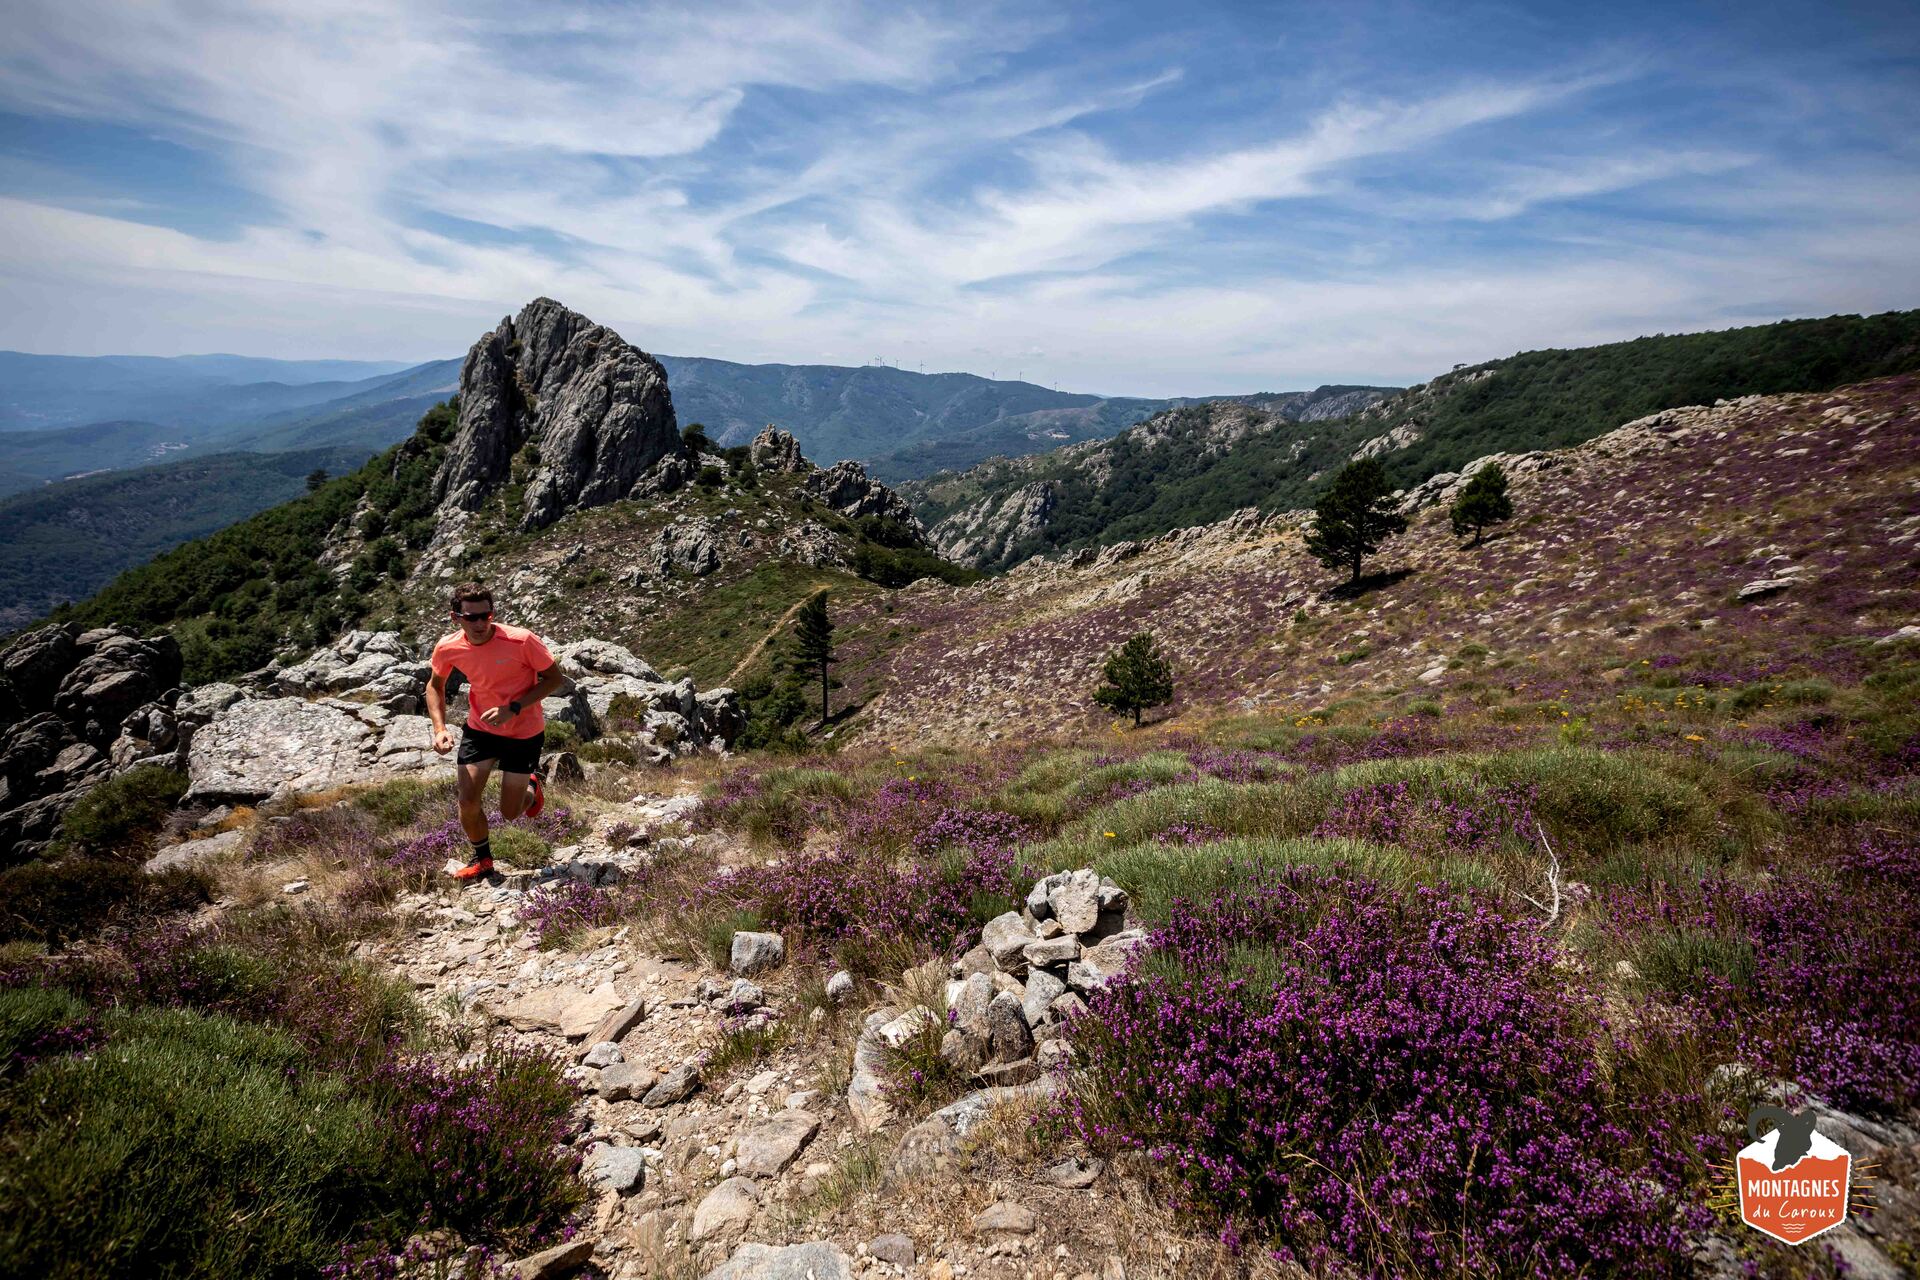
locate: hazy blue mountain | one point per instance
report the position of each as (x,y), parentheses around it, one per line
(43,392)
(63,541)
(876,411)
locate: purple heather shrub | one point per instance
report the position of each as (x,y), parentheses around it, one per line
(937,900)
(422,1255)
(488,1141)
(1233,766)
(342,1014)
(734,792)
(1828,997)
(893,816)
(424,854)
(1190,833)
(561,906)
(1401,1083)
(1882,854)
(1457,820)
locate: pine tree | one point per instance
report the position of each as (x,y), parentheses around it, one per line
(1138,677)
(316,478)
(813,643)
(1354,517)
(1483,502)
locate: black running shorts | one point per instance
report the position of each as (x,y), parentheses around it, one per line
(514,755)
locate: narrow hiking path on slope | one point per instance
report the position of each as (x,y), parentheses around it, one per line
(760,645)
(714,1108)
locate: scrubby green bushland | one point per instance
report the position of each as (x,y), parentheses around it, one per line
(72,897)
(235,598)
(132,804)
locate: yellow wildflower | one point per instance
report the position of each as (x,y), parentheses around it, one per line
(1108,834)
(1694,737)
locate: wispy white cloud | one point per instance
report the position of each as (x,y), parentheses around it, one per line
(820,181)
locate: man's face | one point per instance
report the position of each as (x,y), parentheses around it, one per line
(474,616)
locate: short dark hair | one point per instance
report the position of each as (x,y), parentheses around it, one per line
(471,591)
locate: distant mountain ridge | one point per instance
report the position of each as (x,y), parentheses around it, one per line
(1197,464)
(559,474)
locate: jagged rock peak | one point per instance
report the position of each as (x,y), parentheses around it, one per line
(848,489)
(776,450)
(594,410)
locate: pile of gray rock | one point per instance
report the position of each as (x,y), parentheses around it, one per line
(1009,998)
(80,707)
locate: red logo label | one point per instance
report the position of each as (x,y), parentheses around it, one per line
(1793,1181)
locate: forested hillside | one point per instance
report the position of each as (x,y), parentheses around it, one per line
(1162,475)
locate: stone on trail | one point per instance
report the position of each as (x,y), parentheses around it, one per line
(814,1260)
(1076,901)
(551,1264)
(1006,1217)
(767,1148)
(726,1210)
(892,1247)
(616,1024)
(570,1013)
(1052,951)
(621,1168)
(1042,990)
(623,1080)
(677,1087)
(1006,936)
(754,952)
(1007,1028)
(840,986)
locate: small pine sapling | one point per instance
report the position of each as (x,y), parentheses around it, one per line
(1138,677)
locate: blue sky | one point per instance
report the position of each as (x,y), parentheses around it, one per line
(1144,199)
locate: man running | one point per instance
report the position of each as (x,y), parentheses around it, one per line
(508,671)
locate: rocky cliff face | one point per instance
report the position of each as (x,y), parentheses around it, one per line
(563,405)
(83,705)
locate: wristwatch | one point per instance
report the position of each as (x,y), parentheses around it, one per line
(514,706)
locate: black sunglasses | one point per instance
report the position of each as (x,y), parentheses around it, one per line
(473,617)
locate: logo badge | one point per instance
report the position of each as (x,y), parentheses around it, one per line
(1793,1181)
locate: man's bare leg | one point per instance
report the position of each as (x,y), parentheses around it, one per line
(473,798)
(513,795)
(472,790)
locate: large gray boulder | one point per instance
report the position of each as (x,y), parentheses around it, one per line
(595,409)
(602,658)
(262,747)
(115,675)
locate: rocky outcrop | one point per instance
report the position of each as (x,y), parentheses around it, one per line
(564,403)
(1404,436)
(256,745)
(848,489)
(777,451)
(987,531)
(347,713)
(83,706)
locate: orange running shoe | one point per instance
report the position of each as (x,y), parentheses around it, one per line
(475,870)
(539,801)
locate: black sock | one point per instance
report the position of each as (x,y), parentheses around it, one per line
(481,849)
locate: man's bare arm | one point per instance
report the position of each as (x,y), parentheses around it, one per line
(437,712)
(549,683)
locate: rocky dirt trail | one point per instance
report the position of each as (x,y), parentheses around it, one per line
(784,1164)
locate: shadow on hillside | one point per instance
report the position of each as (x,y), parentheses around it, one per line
(839,717)
(1368,582)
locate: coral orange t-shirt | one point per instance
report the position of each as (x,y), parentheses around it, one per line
(497,672)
